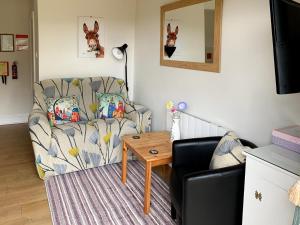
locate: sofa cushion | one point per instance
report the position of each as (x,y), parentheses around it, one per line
(111,105)
(62,110)
(228,152)
(85,88)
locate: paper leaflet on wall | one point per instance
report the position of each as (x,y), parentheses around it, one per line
(22,42)
(4,71)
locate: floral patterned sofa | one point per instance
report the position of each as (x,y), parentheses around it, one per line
(89,143)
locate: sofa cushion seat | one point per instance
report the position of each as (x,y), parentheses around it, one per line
(73,146)
(77,146)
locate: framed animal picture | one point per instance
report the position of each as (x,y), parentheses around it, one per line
(91,37)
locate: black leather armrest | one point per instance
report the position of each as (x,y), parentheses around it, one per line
(194,152)
(208,193)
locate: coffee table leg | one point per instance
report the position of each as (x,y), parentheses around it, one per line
(147,187)
(124,163)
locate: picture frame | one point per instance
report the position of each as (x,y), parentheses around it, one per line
(177,12)
(91,37)
(7,43)
(4,69)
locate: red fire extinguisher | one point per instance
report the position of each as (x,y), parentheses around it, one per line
(14,69)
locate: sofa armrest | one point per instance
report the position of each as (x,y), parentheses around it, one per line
(39,97)
(38,121)
(140,115)
(209,193)
(40,133)
(195,152)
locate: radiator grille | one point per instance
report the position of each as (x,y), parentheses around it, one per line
(192,126)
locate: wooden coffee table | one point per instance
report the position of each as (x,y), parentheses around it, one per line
(159,141)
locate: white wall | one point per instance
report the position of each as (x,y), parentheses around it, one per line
(58,47)
(242,97)
(16,97)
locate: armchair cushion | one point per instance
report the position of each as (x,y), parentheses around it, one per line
(228,142)
(234,157)
(228,152)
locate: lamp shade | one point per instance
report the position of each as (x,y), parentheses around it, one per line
(118,52)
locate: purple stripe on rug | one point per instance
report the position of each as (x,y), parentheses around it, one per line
(97,196)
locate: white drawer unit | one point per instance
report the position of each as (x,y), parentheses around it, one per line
(270,172)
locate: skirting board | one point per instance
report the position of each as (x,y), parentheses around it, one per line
(13,119)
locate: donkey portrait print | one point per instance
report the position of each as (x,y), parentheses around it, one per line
(91,37)
(171,40)
(93,42)
(171,36)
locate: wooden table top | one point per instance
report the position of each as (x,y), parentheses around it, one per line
(159,141)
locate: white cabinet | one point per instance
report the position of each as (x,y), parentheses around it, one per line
(270,172)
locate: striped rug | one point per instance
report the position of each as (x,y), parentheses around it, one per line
(97,196)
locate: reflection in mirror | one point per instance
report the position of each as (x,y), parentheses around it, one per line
(191,33)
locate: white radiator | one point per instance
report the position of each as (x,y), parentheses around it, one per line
(192,126)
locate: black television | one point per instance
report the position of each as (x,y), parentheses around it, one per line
(285,17)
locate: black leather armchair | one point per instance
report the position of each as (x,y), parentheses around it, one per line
(200,196)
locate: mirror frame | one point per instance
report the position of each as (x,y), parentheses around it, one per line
(211,67)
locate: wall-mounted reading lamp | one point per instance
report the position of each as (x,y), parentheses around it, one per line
(119,53)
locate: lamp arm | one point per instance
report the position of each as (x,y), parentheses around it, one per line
(126,82)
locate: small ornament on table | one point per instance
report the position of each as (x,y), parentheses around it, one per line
(175,109)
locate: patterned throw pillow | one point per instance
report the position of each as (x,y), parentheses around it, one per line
(63,110)
(228,152)
(110,106)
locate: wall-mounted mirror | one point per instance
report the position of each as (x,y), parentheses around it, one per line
(191,34)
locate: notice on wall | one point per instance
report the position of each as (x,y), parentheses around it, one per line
(22,42)
(4,71)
